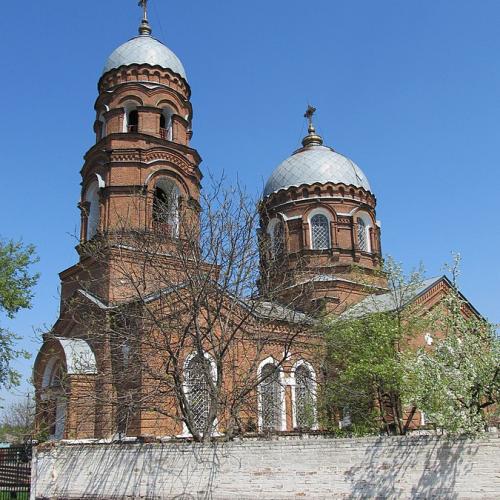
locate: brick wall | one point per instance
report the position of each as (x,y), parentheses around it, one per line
(308,467)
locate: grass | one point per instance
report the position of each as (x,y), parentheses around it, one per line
(8,495)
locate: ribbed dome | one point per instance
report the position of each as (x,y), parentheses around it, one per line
(144,49)
(312,164)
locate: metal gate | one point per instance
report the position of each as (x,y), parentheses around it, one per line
(15,472)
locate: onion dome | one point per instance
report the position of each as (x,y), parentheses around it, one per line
(144,49)
(315,163)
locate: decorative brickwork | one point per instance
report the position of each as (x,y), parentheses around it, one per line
(320,252)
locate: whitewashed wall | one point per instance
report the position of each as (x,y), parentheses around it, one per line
(308,467)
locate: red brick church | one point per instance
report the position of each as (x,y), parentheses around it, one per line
(128,356)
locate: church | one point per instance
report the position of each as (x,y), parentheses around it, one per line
(158,334)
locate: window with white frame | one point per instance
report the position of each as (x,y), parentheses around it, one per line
(166,207)
(278,238)
(363,232)
(305,411)
(276,233)
(93,211)
(320,232)
(196,383)
(166,129)
(101,131)
(131,117)
(54,399)
(270,398)
(362,236)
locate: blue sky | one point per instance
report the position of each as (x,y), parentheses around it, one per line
(409,90)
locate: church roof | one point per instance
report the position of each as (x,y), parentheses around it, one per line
(80,358)
(315,163)
(389,301)
(276,312)
(259,308)
(144,49)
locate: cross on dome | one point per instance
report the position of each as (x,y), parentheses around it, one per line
(144,28)
(144,5)
(312,137)
(309,115)
(144,49)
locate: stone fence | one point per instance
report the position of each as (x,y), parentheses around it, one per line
(315,467)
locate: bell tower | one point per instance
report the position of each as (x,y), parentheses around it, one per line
(141,175)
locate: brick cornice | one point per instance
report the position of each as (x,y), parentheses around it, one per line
(329,192)
(124,75)
(103,146)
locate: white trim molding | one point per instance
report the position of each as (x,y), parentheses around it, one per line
(282,382)
(299,363)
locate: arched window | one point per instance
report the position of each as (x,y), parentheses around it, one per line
(166,129)
(362,236)
(54,400)
(305,401)
(93,211)
(363,232)
(276,233)
(320,232)
(278,239)
(166,207)
(270,394)
(131,118)
(133,121)
(197,389)
(101,132)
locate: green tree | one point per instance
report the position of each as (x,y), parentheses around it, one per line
(456,381)
(16,292)
(364,370)
(17,420)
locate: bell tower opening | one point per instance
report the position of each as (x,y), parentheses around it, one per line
(133,121)
(166,207)
(166,128)
(93,210)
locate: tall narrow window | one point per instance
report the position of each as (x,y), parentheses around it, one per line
(362,235)
(198,391)
(60,404)
(54,399)
(133,121)
(305,411)
(320,232)
(93,211)
(166,207)
(278,239)
(270,398)
(101,131)
(166,125)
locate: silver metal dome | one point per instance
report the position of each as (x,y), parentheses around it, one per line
(144,49)
(312,164)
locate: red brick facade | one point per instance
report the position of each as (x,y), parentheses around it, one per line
(142,151)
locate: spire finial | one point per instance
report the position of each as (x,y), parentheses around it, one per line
(312,137)
(309,115)
(144,28)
